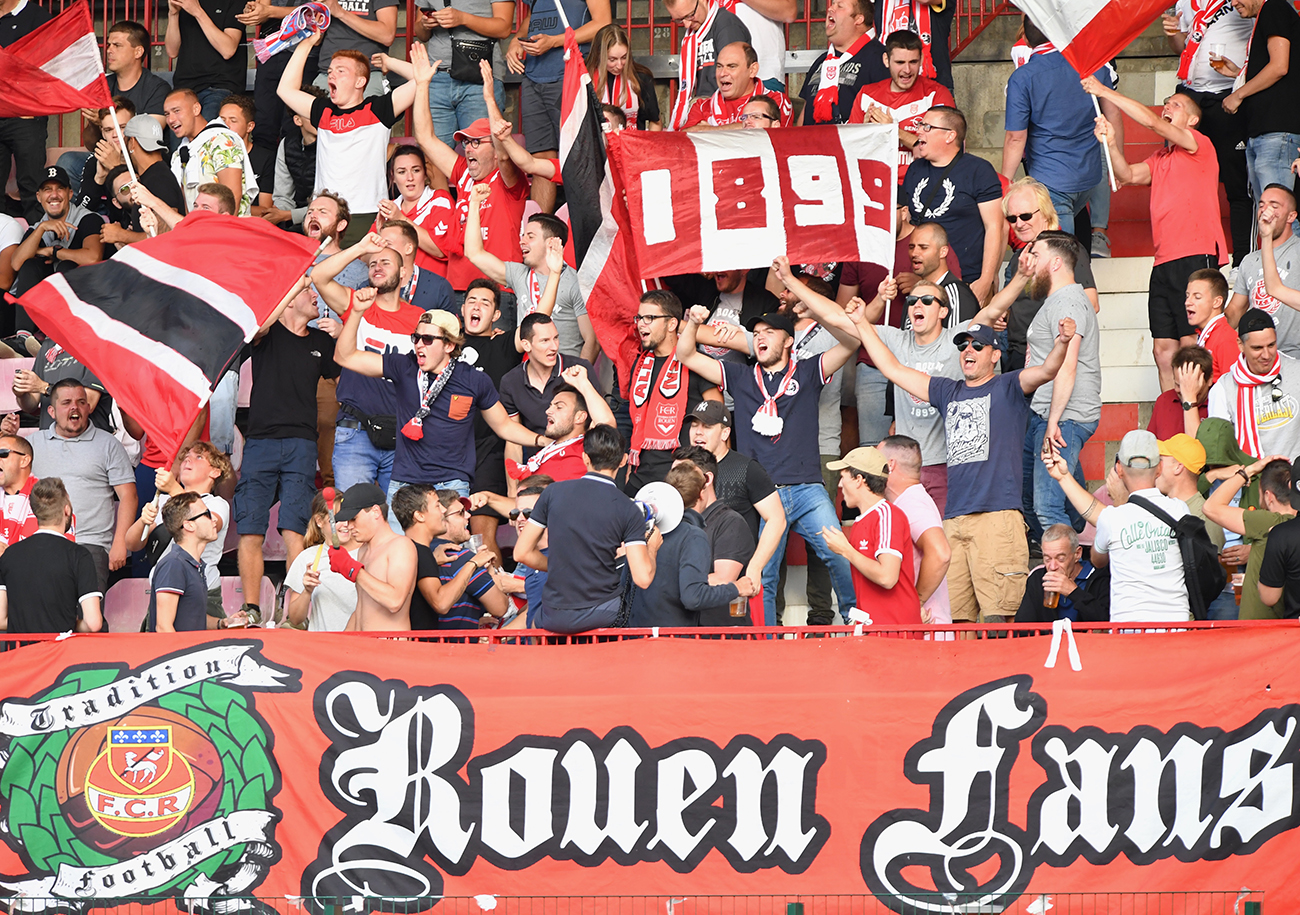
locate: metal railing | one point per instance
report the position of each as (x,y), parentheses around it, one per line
(1038,902)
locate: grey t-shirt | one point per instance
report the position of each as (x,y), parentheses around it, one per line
(338,36)
(439,43)
(568,303)
(1250,283)
(913,417)
(1084,405)
(90,465)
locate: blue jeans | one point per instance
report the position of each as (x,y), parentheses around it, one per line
(869,389)
(460,486)
(357,460)
(1098,202)
(1067,205)
(1268,161)
(211,100)
(455,105)
(222,407)
(807,510)
(1044,500)
(74,163)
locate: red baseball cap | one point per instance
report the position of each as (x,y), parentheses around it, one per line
(476,131)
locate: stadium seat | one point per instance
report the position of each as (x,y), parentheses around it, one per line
(232,595)
(126,605)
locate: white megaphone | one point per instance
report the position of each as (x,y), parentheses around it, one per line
(662,505)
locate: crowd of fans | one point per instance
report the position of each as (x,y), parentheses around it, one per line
(438,370)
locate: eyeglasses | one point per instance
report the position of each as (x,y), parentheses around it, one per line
(973,344)
(460,513)
(5,452)
(648,319)
(203,514)
(926,127)
(1012,218)
(517,513)
(923,299)
(426,339)
(757,117)
(694,9)
(475,142)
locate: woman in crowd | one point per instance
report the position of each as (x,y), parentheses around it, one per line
(416,202)
(621,82)
(317,594)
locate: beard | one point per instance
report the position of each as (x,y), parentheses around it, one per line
(1038,286)
(558,433)
(390,285)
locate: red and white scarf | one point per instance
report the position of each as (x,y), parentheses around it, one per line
(1200,21)
(534,464)
(657,409)
(911,15)
(618,92)
(688,69)
(1203,338)
(766,421)
(1247,381)
(1021,51)
(828,89)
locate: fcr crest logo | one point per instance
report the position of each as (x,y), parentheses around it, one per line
(166,771)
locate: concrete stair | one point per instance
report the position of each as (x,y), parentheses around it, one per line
(1128,371)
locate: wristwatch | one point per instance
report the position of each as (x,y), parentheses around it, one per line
(1188,406)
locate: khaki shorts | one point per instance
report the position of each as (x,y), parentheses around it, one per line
(990,564)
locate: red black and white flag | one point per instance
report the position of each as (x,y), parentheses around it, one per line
(1088,33)
(54,69)
(161,321)
(607,273)
(735,199)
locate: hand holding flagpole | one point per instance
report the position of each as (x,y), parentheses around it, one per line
(1105,148)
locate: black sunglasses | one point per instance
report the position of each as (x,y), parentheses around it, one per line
(202,514)
(923,299)
(973,344)
(1022,217)
(4,453)
(426,339)
(517,513)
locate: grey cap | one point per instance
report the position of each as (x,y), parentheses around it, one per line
(1139,445)
(147,132)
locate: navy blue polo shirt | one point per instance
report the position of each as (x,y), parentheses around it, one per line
(180,573)
(793,456)
(446,452)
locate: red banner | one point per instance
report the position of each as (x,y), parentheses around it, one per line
(733,199)
(284,764)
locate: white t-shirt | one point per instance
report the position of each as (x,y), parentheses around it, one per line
(10,232)
(922,515)
(767,37)
(1226,28)
(335,598)
(211,555)
(1146,565)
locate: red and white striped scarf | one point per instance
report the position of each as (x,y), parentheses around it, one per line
(1021,51)
(1247,381)
(618,92)
(1200,17)
(1202,339)
(828,89)
(902,15)
(688,70)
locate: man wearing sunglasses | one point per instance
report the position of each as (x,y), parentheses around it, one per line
(179,601)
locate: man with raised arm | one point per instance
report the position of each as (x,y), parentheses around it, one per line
(776,402)
(985,418)
(384,570)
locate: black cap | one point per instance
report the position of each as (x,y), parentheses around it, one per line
(709,413)
(980,333)
(54,173)
(777,320)
(357,499)
(1253,320)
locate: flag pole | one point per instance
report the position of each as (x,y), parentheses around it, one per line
(1105,147)
(121,144)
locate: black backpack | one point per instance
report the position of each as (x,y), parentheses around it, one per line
(1204,575)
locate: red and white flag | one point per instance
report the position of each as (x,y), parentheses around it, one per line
(54,69)
(733,199)
(1090,32)
(161,321)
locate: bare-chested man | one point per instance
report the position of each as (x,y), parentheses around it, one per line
(384,570)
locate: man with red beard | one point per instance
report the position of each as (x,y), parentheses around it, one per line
(663,391)
(737,75)
(365,432)
(483,163)
(902,98)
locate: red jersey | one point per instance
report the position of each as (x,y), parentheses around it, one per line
(433,213)
(559,461)
(1184,202)
(501,217)
(905,108)
(1219,338)
(883,530)
(16,519)
(717,111)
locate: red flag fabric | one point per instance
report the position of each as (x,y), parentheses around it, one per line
(54,69)
(607,273)
(161,321)
(1090,32)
